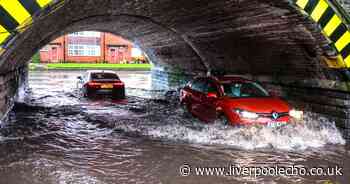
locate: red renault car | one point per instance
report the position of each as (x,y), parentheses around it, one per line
(236,100)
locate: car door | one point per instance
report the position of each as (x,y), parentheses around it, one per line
(204,107)
(196,96)
(208,102)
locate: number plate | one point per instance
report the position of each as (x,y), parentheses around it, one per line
(107,86)
(276,124)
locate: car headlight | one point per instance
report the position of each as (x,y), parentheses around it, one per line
(296,114)
(246,114)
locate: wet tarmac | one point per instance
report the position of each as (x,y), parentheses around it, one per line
(57,136)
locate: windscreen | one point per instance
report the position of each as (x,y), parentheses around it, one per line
(244,89)
(104,76)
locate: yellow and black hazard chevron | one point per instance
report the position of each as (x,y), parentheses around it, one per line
(334,27)
(15,14)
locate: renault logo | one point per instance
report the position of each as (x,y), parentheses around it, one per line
(275,115)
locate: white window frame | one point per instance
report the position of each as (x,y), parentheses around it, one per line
(86,34)
(84,50)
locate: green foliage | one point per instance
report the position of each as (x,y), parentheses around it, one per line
(72,66)
(36,58)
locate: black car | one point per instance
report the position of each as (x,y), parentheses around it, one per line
(102,82)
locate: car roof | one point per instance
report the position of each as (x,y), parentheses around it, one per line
(225,79)
(101,71)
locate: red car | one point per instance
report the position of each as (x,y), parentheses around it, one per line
(238,101)
(102,82)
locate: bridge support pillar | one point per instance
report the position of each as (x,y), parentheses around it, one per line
(10,84)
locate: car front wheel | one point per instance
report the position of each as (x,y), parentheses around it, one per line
(223,119)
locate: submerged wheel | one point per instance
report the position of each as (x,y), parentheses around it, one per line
(187,109)
(119,94)
(224,120)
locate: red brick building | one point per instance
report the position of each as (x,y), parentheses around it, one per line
(89,47)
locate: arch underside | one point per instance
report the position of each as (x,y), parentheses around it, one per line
(256,37)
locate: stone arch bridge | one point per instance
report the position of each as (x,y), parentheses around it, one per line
(298,48)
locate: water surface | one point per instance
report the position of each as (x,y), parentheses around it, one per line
(56,136)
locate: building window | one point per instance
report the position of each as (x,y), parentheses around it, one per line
(84,50)
(45,49)
(86,34)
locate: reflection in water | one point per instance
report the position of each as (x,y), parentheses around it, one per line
(58,137)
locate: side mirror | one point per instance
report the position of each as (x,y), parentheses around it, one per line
(212,95)
(80,78)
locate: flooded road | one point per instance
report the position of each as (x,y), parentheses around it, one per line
(56,136)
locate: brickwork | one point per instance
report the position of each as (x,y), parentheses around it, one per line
(9,86)
(269,38)
(113,49)
(329,103)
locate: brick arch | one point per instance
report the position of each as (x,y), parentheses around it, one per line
(258,37)
(279,42)
(111,24)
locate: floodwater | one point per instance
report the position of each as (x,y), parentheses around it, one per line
(55,136)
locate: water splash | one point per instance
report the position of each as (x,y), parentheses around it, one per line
(164,119)
(311,133)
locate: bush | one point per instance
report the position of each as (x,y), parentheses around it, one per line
(36,58)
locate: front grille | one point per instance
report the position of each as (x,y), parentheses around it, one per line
(269,115)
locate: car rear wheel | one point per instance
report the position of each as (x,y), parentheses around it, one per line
(119,94)
(89,93)
(187,108)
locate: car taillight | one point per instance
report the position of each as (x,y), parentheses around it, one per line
(94,85)
(118,84)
